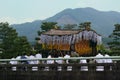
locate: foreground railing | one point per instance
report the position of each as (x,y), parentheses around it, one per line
(73,71)
(72,58)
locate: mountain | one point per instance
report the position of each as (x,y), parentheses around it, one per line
(102,21)
(28,29)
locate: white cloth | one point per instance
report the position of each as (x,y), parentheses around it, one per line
(34,68)
(99,60)
(13,62)
(84,68)
(69,68)
(18,57)
(32,61)
(26,56)
(107,60)
(59,61)
(50,61)
(38,56)
(67,56)
(99,68)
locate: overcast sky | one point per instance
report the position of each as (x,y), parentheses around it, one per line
(20,11)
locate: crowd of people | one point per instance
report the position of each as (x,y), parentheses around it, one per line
(60,61)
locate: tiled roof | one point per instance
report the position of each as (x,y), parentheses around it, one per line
(61,32)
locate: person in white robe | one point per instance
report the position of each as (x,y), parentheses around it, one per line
(108,60)
(83,68)
(34,68)
(38,56)
(13,63)
(69,68)
(18,58)
(67,56)
(59,62)
(49,62)
(99,68)
(32,61)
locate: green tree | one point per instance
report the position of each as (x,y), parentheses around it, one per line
(7,37)
(84,25)
(115,43)
(48,25)
(38,47)
(22,46)
(10,43)
(69,26)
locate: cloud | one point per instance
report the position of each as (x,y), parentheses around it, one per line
(12,20)
(8,19)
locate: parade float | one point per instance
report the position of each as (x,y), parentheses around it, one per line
(83,42)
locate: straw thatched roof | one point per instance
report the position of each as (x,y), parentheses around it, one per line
(61,32)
